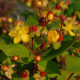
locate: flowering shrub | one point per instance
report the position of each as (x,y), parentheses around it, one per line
(46,46)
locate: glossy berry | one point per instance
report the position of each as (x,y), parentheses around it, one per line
(43,74)
(4,31)
(67,2)
(58,6)
(4,19)
(5,25)
(43,44)
(60,38)
(5,68)
(24,74)
(50,15)
(42,21)
(39,4)
(38,58)
(34,28)
(15,58)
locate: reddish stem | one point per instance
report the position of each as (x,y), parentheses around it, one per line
(32,43)
(39,11)
(30,50)
(70,76)
(35,67)
(15,67)
(42,52)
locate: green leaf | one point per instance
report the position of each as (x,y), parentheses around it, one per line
(53,26)
(50,67)
(31,20)
(73,64)
(51,53)
(15,49)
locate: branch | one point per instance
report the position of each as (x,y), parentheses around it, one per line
(30,50)
(43,52)
(70,76)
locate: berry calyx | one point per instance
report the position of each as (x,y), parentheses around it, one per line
(50,16)
(58,30)
(34,28)
(67,2)
(43,44)
(75,16)
(61,38)
(4,19)
(42,21)
(15,58)
(39,4)
(38,58)
(24,74)
(5,68)
(18,21)
(58,6)
(4,31)
(43,74)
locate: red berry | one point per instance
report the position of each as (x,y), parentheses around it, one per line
(4,31)
(60,38)
(42,45)
(24,74)
(67,2)
(34,28)
(4,19)
(5,25)
(58,6)
(15,58)
(43,74)
(50,12)
(42,21)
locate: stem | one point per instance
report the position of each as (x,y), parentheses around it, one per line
(39,11)
(35,67)
(32,43)
(42,52)
(30,50)
(70,76)
(15,67)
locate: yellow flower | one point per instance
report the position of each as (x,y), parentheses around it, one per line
(20,32)
(69,26)
(52,36)
(10,20)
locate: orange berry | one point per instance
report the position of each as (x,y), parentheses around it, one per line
(15,58)
(38,58)
(39,4)
(5,68)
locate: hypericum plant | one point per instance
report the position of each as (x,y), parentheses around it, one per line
(45,46)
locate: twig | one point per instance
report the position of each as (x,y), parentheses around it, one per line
(32,43)
(30,50)
(43,52)
(70,76)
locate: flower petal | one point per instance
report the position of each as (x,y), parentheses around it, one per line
(17,39)
(12,33)
(25,38)
(71,33)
